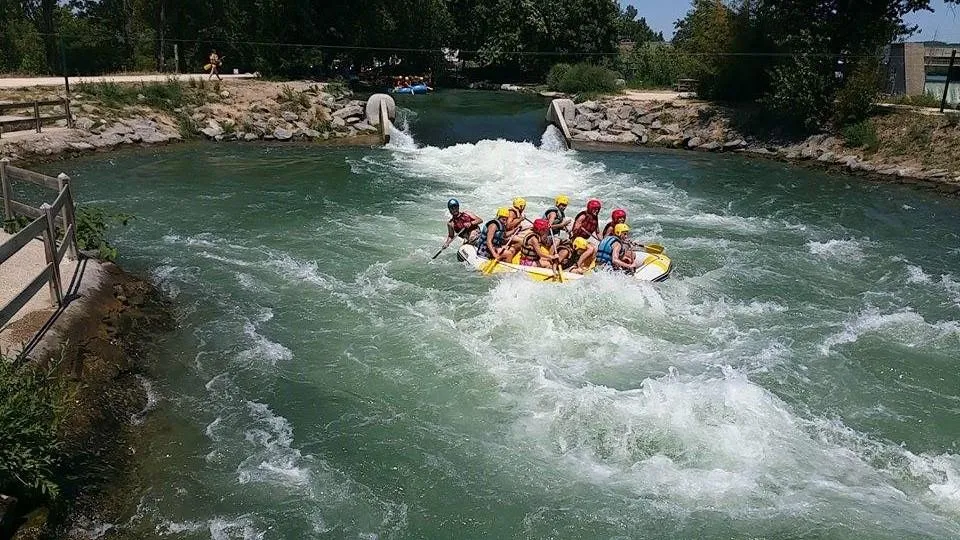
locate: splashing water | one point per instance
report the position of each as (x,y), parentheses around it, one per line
(552,140)
(326,380)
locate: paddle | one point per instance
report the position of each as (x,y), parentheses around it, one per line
(488,269)
(445,246)
(654,249)
(553,250)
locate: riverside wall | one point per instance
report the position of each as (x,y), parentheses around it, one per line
(613,123)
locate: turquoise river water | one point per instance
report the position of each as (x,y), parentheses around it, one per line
(795,378)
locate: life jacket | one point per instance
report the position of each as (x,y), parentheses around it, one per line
(526,250)
(605,250)
(498,239)
(557,220)
(588,227)
(608,229)
(463,223)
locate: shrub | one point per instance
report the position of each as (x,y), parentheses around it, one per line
(293,98)
(556,75)
(30,410)
(856,98)
(585,78)
(92,224)
(799,97)
(656,65)
(862,134)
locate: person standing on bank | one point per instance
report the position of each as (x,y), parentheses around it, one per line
(213,64)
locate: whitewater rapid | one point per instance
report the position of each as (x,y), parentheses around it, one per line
(719,402)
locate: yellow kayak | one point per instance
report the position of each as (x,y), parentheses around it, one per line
(655,267)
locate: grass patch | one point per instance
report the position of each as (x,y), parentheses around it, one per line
(862,134)
(926,100)
(166,95)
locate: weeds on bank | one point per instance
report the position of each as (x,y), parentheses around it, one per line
(92,225)
(32,403)
(167,95)
(862,135)
(293,98)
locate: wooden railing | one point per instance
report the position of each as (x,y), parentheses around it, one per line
(44,225)
(34,120)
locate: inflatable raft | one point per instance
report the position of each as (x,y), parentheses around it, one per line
(415,89)
(655,267)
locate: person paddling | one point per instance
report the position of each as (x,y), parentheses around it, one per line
(578,255)
(517,216)
(586,223)
(619,215)
(492,242)
(555,214)
(612,251)
(533,243)
(464,224)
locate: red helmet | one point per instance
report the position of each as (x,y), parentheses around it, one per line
(540,225)
(619,213)
(593,205)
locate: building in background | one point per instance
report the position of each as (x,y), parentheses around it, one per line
(915,69)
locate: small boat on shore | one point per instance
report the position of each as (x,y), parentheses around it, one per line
(415,89)
(655,267)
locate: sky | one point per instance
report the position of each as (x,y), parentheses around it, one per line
(942,25)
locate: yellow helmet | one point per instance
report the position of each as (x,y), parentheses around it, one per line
(519,202)
(503,212)
(562,199)
(620,228)
(580,243)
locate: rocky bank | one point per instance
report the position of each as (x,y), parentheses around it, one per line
(238,111)
(694,125)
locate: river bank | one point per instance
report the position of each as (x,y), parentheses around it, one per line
(896,145)
(97,348)
(110,115)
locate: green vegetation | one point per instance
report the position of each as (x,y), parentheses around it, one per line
(92,225)
(863,134)
(806,70)
(656,65)
(293,99)
(167,95)
(582,78)
(31,405)
(926,100)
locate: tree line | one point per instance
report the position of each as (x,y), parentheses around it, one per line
(297,37)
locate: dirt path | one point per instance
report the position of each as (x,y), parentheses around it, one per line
(58,81)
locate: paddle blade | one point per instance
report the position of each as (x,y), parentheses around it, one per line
(437,254)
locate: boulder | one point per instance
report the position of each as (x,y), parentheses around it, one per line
(509,88)
(353,120)
(349,111)
(656,125)
(827,157)
(694,142)
(84,123)
(648,119)
(250,137)
(591,106)
(153,137)
(365,127)
(290,116)
(711,146)
(625,112)
(584,123)
(282,134)
(224,95)
(638,130)
(81,145)
(337,122)
(735,144)
(604,125)
(673,129)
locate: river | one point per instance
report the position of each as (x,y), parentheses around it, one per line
(795,378)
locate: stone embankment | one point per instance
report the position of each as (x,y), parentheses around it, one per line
(247,111)
(693,125)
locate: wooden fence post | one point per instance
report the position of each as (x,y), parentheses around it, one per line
(69,217)
(36,114)
(7,193)
(50,251)
(66,109)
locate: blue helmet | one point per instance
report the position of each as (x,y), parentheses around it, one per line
(453,203)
